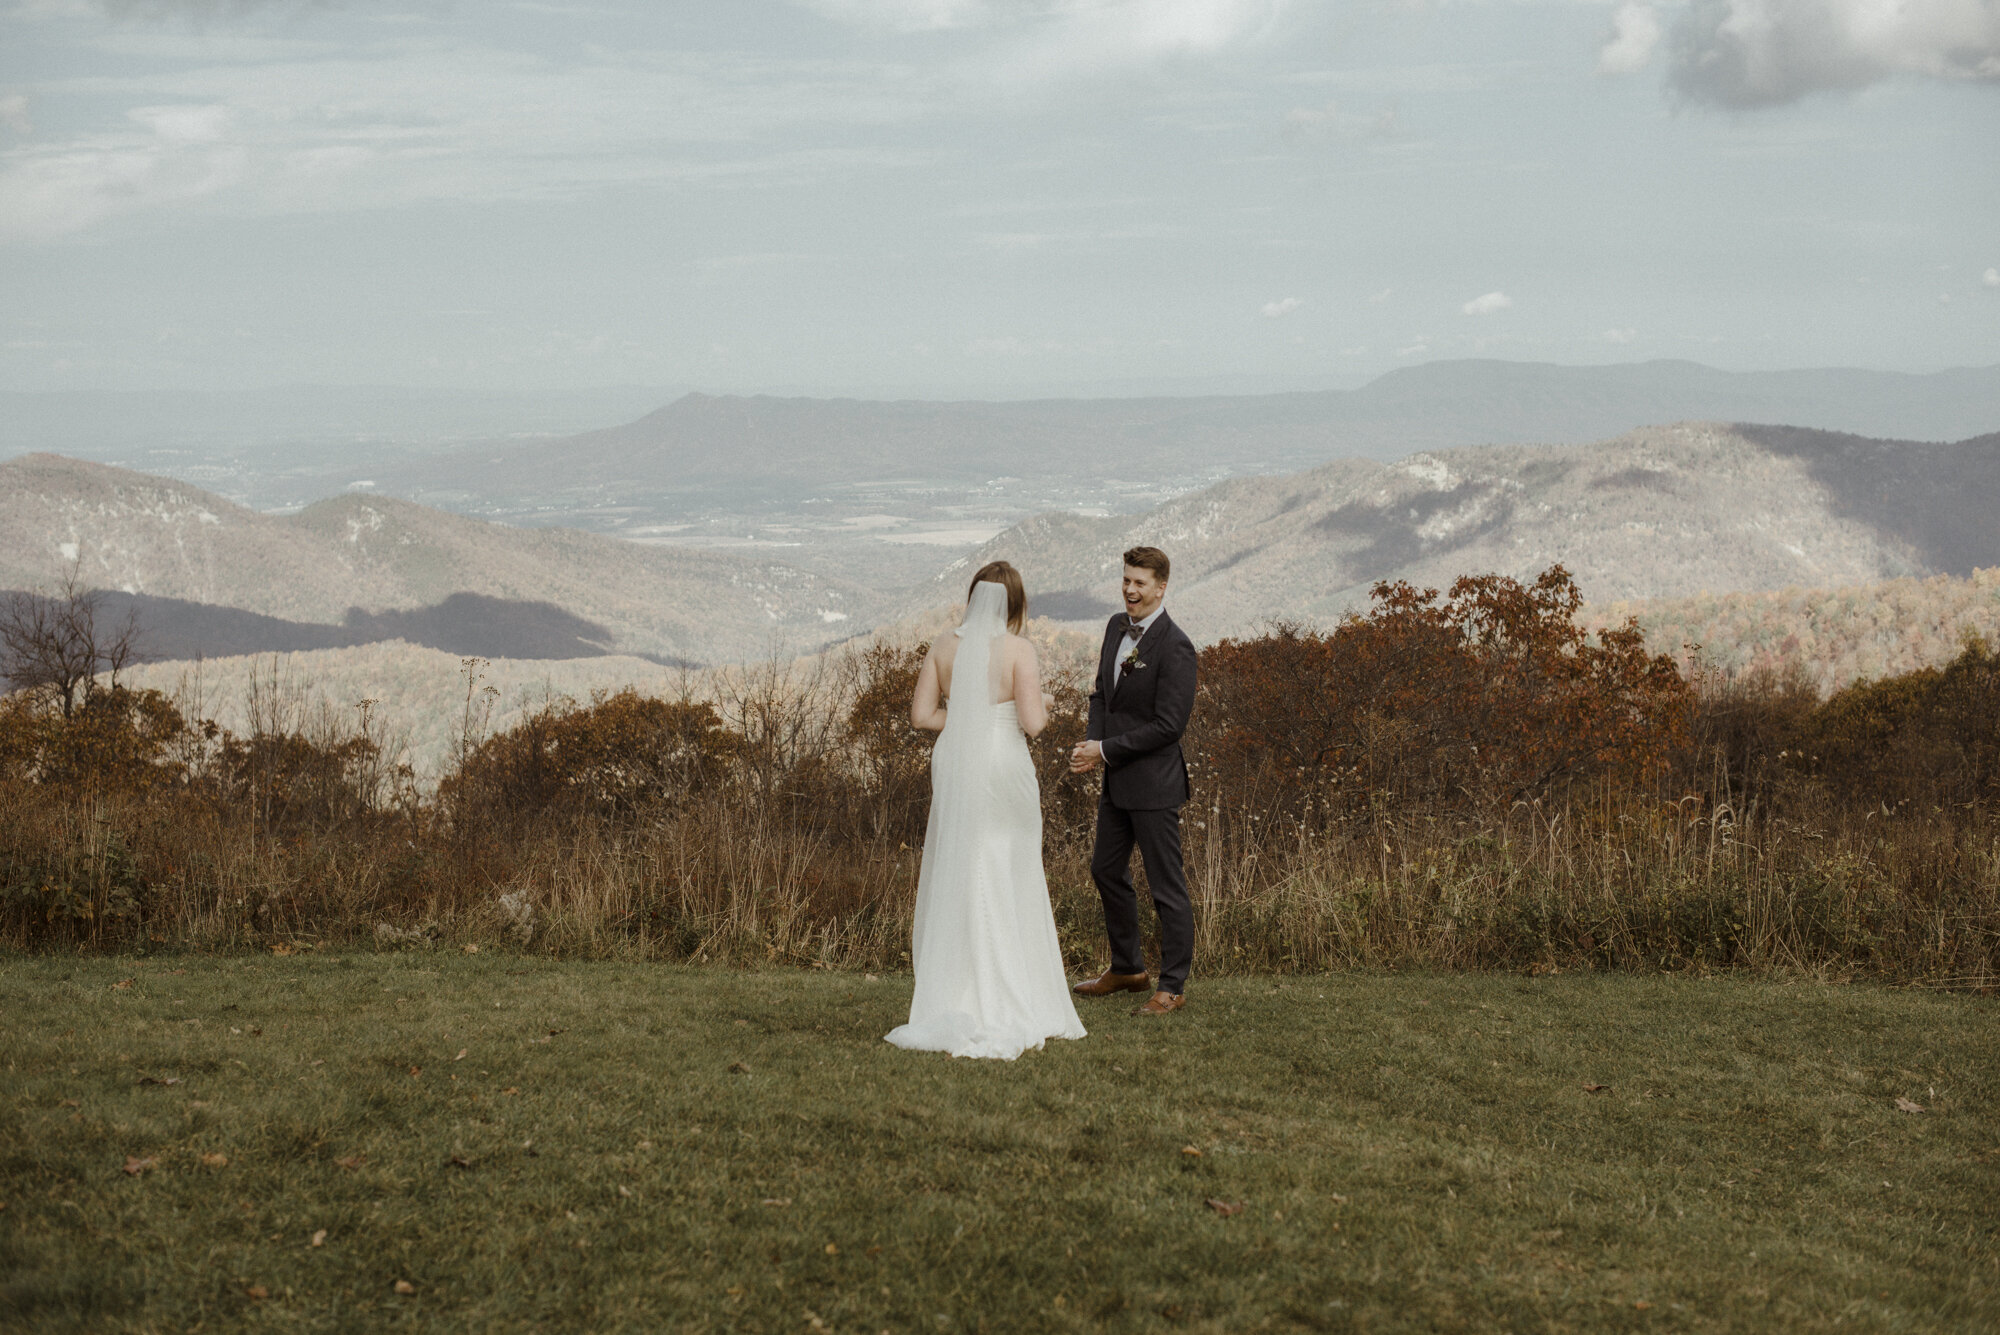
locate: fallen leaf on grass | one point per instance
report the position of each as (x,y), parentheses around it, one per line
(121,986)
(472,950)
(461,1054)
(215,1160)
(151,1080)
(813,1322)
(1905,1105)
(280,948)
(739,1068)
(1222,1207)
(1642,1305)
(134,1165)
(257,1291)
(1589,1088)
(460,1161)
(1190,1151)
(777,1200)
(734,1290)
(404,1286)
(319,1238)
(511,1089)
(625,1191)
(416,1071)
(69,1103)
(832,1249)
(352,1161)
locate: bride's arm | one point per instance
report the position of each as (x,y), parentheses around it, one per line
(926,708)
(1029,701)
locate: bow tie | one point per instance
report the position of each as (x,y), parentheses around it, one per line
(1133,627)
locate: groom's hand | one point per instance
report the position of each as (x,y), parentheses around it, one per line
(1085,757)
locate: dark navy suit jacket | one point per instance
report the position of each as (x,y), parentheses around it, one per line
(1141,719)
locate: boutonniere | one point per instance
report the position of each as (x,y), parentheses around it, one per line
(1132,663)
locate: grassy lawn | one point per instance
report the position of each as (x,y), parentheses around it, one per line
(527,1144)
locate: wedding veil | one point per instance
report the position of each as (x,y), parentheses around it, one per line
(962,762)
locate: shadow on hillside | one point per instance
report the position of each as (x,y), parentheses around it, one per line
(1938,499)
(466,624)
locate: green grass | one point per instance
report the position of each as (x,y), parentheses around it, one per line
(1411,1152)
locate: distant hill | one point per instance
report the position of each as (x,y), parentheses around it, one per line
(211,576)
(730,450)
(1664,512)
(1837,635)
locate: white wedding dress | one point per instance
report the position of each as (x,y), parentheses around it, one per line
(990,979)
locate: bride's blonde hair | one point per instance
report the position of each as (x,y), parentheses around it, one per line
(1001,572)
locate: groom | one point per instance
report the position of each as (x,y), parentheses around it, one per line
(1138,711)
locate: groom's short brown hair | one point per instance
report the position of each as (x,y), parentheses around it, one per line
(1150,558)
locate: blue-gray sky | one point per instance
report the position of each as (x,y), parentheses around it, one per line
(944,197)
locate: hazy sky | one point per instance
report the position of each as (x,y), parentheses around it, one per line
(965,196)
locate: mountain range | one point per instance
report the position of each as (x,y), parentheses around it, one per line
(209,576)
(841,512)
(1662,512)
(705,450)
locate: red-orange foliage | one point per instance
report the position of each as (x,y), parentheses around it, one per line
(1492,692)
(113,738)
(613,756)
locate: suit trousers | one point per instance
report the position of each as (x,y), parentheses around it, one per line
(1157,834)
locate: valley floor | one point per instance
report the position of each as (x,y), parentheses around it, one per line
(497,1142)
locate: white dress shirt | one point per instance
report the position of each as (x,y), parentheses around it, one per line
(1132,638)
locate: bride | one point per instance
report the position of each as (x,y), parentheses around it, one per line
(990,979)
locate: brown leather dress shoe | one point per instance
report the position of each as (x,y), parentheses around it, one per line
(1161,1003)
(1108,982)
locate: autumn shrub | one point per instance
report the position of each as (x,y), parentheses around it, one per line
(619,754)
(1929,737)
(1490,694)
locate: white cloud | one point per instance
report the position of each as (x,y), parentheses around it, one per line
(1486,305)
(1379,297)
(1040,38)
(1991,278)
(1328,121)
(184,124)
(1063,39)
(1276,309)
(390,125)
(1619,335)
(1635,31)
(1751,53)
(905,15)
(65,188)
(14,114)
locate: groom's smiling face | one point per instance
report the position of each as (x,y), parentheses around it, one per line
(1143,590)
